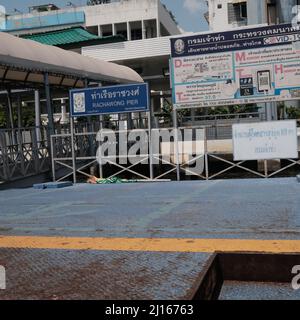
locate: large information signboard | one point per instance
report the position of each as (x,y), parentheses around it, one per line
(265,140)
(109,100)
(237,67)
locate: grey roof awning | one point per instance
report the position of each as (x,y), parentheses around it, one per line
(29,60)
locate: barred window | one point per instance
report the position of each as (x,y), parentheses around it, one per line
(237,12)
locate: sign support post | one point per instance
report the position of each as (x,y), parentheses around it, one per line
(176,147)
(150,146)
(73,150)
(266,167)
(206,155)
(100,148)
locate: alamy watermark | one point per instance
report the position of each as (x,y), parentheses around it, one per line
(296,279)
(2,278)
(184,147)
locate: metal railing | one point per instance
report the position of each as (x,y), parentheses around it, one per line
(219,126)
(23,153)
(217,157)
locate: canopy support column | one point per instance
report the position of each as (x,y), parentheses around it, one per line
(37,114)
(11,117)
(48,104)
(50,116)
(10,111)
(19,105)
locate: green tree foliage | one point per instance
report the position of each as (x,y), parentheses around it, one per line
(249,108)
(2,118)
(293,112)
(28,117)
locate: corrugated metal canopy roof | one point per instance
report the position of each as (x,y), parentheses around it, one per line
(27,55)
(59,37)
(70,36)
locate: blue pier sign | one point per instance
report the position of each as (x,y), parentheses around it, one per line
(109,100)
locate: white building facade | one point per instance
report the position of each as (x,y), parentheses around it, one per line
(134,19)
(230,14)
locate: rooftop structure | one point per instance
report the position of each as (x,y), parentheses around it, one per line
(43,8)
(134,19)
(72,38)
(228,14)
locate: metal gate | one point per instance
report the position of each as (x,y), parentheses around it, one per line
(151,164)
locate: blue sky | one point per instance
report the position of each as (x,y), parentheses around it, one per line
(188,13)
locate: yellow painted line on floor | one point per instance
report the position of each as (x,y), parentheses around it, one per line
(151,244)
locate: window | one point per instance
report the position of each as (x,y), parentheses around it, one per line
(237,13)
(136,34)
(243,10)
(219,6)
(272,14)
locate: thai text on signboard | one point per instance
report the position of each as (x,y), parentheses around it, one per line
(265,140)
(237,67)
(110,100)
